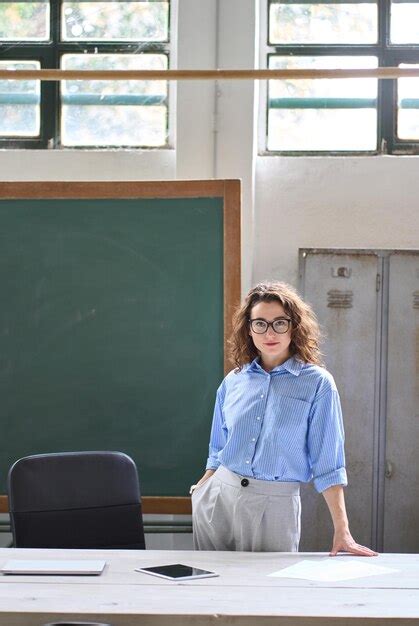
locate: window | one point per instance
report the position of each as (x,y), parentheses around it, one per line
(84,35)
(340,116)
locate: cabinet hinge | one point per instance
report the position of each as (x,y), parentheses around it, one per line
(378,282)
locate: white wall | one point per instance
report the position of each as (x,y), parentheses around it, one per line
(87,165)
(346,202)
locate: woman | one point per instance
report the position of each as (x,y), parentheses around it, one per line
(277,422)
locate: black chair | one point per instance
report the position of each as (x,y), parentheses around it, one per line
(76,624)
(76,500)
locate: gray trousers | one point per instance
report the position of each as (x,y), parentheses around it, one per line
(260,516)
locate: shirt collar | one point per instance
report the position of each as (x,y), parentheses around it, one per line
(292,365)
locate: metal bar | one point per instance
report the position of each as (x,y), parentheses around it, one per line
(113,99)
(167,529)
(58,75)
(381,415)
(128,99)
(167,523)
(324,103)
(409,103)
(20,98)
(377,382)
(158,527)
(131,99)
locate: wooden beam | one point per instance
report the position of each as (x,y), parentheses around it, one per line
(151,505)
(4,504)
(113,189)
(166,505)
(232,261)
(295,74)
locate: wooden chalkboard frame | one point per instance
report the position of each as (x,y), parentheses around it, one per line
(228,190)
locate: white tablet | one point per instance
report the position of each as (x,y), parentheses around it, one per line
(52,567)
(177,571)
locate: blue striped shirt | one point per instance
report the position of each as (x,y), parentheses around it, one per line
(283,425)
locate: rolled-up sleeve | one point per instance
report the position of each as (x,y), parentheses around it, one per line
(325,441)
(218,436)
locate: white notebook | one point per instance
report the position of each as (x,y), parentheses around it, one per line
(64,566)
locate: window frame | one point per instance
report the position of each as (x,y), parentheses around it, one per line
(49,52)
(388,55)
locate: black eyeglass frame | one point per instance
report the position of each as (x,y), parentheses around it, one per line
(260,319)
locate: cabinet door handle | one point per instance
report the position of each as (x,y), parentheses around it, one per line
(389,469)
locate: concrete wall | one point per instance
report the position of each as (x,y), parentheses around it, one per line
(346,202)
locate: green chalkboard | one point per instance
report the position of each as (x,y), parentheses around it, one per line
(111,330)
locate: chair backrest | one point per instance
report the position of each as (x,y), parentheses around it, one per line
(76,500)
(76,624)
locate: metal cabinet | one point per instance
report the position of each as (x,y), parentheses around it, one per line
(367,303)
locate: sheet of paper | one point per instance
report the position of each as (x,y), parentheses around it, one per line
(332,569)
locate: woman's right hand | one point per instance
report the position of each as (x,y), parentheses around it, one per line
(202,480)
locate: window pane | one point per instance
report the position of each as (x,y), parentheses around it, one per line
(19,102)
(114,113)
(24,21)
(322,114)
(115,21)
(317,130)
(326,23)
(404,24)
(408,107)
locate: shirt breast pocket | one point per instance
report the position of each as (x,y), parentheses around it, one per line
(290,415)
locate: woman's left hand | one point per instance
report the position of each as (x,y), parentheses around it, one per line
(344,542)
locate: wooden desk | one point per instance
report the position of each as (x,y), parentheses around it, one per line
(242,595)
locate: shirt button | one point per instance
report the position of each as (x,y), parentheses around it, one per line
(261,395)
(258,418)
(253,439)
(247,462)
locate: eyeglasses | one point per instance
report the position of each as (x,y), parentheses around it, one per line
(260,326)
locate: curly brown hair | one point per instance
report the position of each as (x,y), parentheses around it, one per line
(305,331)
